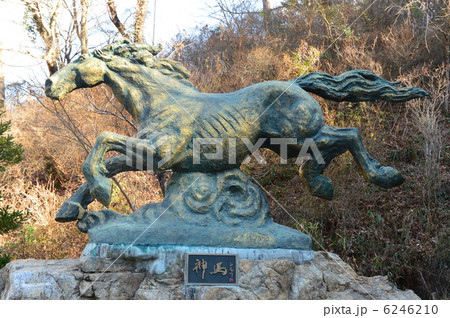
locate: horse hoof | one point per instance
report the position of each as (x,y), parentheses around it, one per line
(101,190)
(387,177)
(92,219)
(69,212)
(321,187)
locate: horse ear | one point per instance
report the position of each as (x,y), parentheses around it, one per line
(85,56)
(103,54)
(155,49)
(123,41)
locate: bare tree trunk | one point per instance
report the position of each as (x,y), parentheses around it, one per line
(83,24)
(2,79)
(154,22)
(141,14)
(267,10)
(47,29)
(447,76)
(112,10)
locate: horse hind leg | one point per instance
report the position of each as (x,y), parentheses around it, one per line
(311,173)
(373,171)
(331,142)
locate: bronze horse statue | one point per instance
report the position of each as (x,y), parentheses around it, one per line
(157,94)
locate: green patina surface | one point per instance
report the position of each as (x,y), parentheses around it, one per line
(231,212)
(172,114)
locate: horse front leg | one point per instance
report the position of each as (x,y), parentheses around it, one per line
(74,207)
(95,170)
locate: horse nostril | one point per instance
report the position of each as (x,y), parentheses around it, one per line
(48,84)
(48,88)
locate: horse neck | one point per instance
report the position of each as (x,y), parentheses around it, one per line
(141,95)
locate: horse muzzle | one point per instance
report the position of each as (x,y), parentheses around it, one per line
(51,92)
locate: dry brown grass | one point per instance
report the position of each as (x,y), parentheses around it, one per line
(403,232)
(428,119)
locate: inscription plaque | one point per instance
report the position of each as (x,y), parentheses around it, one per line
(211,269)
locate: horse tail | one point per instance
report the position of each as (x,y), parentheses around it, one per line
(357,86)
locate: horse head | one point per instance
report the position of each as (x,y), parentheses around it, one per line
(86,71)
(120,57)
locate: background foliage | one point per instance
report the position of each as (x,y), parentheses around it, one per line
(402,233)
(10,153)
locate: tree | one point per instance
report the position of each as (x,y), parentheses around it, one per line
(81,27)
(267,11)
(9,220)
(43,17)
(2,78)
(139,21)
(10,153)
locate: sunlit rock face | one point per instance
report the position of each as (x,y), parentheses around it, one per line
(326,276)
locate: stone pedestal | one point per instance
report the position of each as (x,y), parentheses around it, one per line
(158,259)
(95,276)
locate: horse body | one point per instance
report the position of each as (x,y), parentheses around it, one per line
(172,114)
(272,109)
(158,99)
(266,110)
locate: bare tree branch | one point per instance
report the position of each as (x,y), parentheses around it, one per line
(112,11)
(48,32)
(104,111)
(26,52)
(124,194)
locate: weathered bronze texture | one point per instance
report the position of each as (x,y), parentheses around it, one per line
(171,114)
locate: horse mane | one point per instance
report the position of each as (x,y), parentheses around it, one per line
(145,55)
